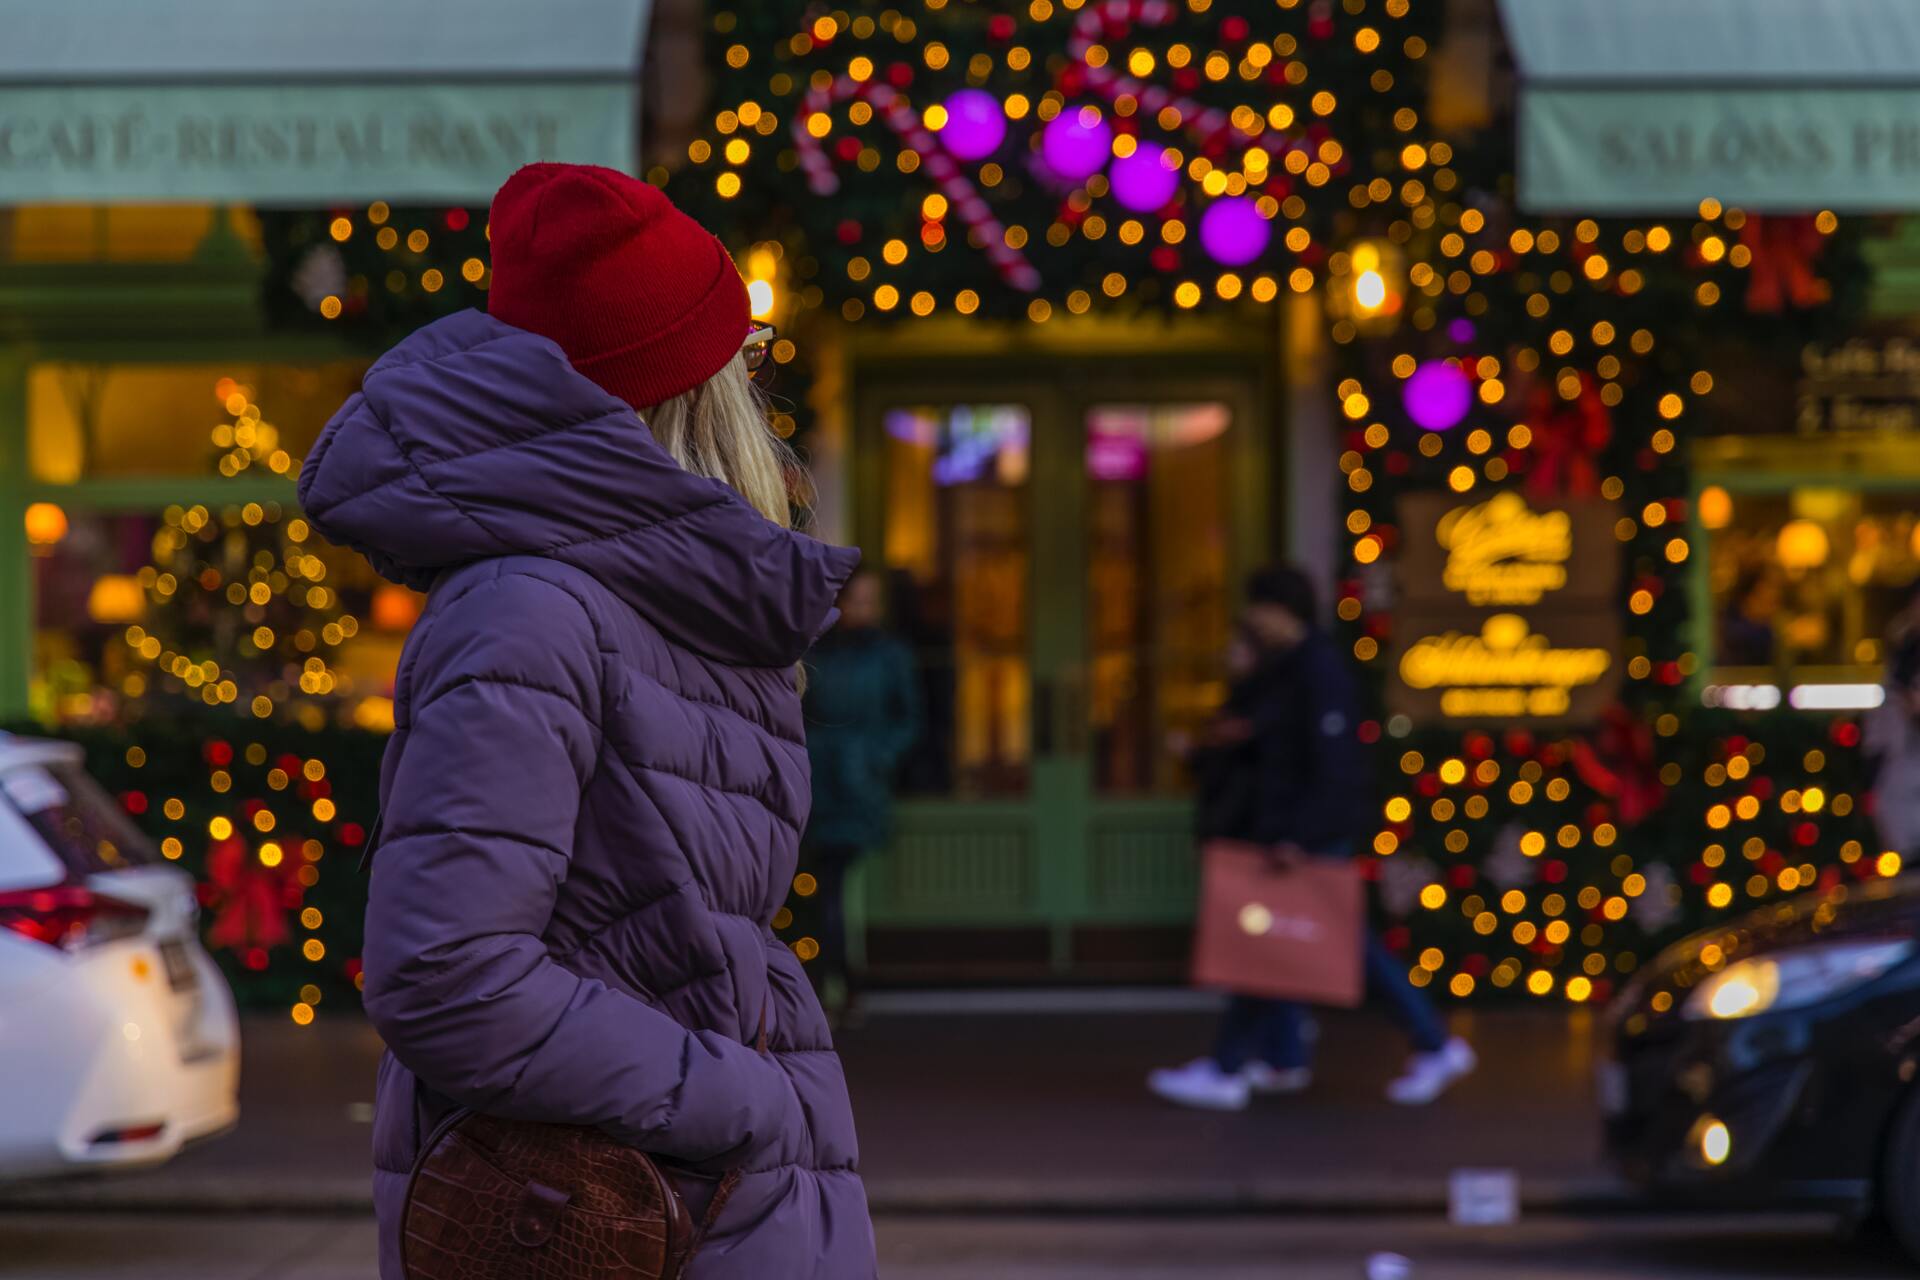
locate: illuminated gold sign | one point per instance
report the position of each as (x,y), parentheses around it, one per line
(1507,611)
(1502,552)
(1506,670)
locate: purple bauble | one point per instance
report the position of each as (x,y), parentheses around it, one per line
(1232,231)
(1438,395)
(976,125)
(1145,178)
(1077,143)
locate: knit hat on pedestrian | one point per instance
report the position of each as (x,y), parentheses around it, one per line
(642,298)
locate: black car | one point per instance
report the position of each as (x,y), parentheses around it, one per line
(1774,1059)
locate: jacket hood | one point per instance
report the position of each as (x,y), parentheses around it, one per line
(473,439)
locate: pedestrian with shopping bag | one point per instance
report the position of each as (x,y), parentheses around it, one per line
(1285,785)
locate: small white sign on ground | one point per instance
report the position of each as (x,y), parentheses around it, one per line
(1483,1197)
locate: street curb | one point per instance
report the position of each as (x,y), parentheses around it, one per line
(954,1197)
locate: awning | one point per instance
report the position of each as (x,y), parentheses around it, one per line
(298,102)
(1650,106)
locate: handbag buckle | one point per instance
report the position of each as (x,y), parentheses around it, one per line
(538,1216)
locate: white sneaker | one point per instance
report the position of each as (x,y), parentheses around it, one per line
(1201,1083)
(1262,1078)
(1428,1075)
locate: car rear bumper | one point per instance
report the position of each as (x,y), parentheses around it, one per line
(100,1072)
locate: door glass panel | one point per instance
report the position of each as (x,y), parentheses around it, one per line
(1157,583)
(956,545)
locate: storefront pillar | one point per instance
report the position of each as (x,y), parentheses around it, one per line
(1313,507)
(16,576)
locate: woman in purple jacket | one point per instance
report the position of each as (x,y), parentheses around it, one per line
(594,794)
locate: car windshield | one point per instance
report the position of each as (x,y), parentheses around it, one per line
(58,823)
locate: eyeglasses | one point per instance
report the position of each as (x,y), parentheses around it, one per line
(757,349)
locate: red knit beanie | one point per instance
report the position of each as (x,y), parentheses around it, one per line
(641,298)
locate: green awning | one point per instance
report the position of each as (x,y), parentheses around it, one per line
(1651,106)
(292,102)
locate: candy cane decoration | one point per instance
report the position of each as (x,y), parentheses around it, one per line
(1208,124)
(953,183)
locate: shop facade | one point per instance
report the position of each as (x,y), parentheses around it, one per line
(1064,401)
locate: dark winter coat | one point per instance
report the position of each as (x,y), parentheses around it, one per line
(1310,773)
(863,714)
(593,799)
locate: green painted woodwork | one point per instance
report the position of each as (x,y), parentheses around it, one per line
(1062,855)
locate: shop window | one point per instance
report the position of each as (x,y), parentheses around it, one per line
(958,528)
(122,233)
(102,421)
(223,597)
(1157,569)
(1805,582)
(241,606)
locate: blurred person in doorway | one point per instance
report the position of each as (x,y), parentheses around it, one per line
(1281,766)
(863,716)
(1892,742)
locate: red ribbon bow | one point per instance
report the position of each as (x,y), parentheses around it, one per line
(1781,273)
(1567,439)
(249,900)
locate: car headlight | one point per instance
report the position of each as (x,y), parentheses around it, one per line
(1793,979)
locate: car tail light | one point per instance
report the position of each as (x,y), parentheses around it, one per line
(69,916)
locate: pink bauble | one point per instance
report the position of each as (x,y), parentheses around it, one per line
(1232,231)
(1438,395)
(1145,179)
(976,125)
(1077,143)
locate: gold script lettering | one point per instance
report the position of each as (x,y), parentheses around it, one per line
(1501,552)
(1507,653)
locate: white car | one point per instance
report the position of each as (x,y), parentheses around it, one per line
(118,1039)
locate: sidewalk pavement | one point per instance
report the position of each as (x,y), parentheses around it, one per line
(1004,1112)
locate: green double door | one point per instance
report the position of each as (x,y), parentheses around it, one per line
(1061,552)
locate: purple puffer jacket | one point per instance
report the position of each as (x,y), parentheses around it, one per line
(593,798)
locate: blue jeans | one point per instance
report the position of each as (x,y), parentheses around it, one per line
(1272,1031)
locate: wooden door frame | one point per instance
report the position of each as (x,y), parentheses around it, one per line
(1060,385)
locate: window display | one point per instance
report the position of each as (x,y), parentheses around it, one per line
(1804,582)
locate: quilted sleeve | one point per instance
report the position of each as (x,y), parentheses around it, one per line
(502,738)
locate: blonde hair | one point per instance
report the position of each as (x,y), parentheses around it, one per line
(719,430)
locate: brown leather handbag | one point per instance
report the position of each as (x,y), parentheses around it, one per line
(494,1199)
